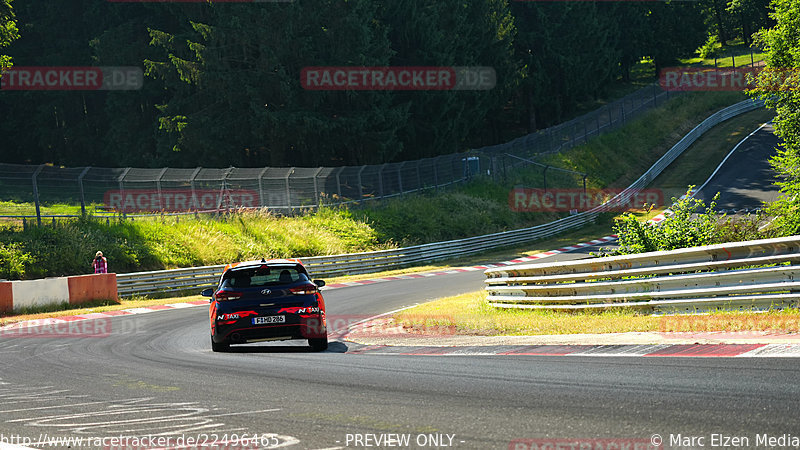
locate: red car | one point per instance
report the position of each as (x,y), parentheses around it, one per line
(267,300)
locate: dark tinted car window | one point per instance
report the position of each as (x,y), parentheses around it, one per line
(257,277)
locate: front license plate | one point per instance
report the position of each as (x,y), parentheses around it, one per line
(268,319)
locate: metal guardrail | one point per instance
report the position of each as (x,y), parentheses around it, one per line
(143,283)
(694,279)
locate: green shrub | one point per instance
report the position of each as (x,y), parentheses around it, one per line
(692,224)
(710,48)
(13,261)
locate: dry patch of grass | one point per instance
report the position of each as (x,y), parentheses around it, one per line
(471,314)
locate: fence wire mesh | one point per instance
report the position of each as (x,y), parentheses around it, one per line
(284,189)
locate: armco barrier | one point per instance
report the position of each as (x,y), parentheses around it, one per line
(74,290)
(736,275)
(143,283)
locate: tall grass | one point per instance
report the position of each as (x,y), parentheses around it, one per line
(151,244)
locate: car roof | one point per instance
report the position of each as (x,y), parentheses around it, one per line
(268,262)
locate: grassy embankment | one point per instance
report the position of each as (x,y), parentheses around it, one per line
(471,314)
(476,208)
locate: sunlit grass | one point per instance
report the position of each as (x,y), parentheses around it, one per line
(472,314)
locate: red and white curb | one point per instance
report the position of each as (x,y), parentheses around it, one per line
(9,330)
(522,259)
(149,309)
(660,350)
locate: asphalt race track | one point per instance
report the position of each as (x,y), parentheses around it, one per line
(155,374)
(746,180)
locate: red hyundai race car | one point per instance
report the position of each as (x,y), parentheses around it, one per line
(267,300)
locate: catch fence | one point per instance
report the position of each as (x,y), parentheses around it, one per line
(133,191)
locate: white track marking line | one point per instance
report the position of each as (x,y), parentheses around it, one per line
(247,412)
(5,411)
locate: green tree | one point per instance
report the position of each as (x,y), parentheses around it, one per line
(750,16)
(570,52)
(8,31)
(235,94)
(452,33)
(782,47)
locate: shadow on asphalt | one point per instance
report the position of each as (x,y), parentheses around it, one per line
(333,347)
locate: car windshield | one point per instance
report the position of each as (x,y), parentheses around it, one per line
(260,276)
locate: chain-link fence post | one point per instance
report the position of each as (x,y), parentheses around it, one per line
(316,186)
(436,173)
(36,194)
(655,95)
(80,186)
(400,177)
(121,181)
(360,184)
(194,200)
(223,190)
(339,182)
(544,177)
(261,200)
(380,180)
(419,176)
(158,189)
(288,190)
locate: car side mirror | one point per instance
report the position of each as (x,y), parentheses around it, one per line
(319,283)
(209,292)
